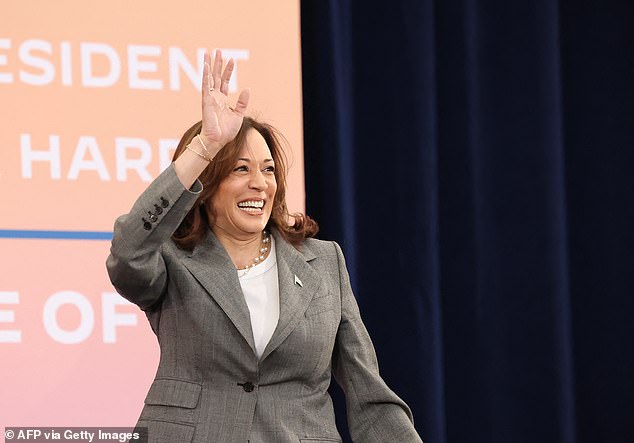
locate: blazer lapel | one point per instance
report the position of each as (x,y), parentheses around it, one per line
(298,282)
(210,264)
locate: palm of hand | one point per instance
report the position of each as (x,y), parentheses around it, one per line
(220,121)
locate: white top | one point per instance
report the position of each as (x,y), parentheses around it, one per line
(261,291)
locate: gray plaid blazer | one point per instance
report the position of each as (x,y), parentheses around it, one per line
(210,386)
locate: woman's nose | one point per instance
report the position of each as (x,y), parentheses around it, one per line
(257,180)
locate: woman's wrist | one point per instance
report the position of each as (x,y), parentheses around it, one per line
(205,150)
(208,146)
(191,163)
(197,147)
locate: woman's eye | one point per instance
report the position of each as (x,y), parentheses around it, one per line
(242,168)
(270,169)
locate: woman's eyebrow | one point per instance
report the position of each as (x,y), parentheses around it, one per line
(248,160)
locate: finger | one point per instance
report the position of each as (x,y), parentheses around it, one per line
(226,77)
(243,102)
(217,69)
(207,85)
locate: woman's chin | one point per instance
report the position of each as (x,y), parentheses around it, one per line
(253,226)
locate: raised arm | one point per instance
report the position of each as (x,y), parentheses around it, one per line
(220,121)
(135,264)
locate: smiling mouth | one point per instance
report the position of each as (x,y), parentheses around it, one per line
(254,206)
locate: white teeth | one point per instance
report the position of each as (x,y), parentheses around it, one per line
(250,209)
(251,204)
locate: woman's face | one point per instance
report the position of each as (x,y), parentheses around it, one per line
(242,205)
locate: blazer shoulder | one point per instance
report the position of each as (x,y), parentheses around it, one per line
(315,248)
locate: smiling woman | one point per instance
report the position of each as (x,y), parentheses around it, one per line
(254,165)
(252,314)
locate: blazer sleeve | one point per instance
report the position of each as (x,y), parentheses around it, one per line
(375,413)
(135,264)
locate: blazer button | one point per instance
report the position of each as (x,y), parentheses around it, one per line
(164,202)
(248,386)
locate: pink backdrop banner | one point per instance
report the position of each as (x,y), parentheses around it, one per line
(94,97)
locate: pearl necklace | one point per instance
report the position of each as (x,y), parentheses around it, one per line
(257,260)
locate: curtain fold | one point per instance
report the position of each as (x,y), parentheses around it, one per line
(475,160)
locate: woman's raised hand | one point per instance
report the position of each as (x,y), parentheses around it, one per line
(220,121)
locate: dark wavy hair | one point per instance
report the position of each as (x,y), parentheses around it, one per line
(194,228)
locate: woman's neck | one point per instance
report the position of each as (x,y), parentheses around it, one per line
(241,250)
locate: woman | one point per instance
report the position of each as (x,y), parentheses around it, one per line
(252,315)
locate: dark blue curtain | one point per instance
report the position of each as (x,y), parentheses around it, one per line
(475,160)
